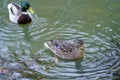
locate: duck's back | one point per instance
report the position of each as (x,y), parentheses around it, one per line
(65,50)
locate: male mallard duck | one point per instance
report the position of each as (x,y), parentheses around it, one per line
(20,13)
(64,49)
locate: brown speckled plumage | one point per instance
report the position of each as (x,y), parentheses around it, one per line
(65,49)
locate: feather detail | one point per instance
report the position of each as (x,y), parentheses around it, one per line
(16,15)
(65,49)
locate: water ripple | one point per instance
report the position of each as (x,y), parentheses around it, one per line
(10,34)
(24,44)
(97,63)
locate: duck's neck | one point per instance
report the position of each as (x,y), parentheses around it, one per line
(76,49)
(78,53)
(24,10)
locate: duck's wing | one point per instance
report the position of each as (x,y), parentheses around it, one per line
(63,47)
(15,9)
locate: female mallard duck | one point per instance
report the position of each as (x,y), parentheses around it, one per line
(20,13)
(64,49)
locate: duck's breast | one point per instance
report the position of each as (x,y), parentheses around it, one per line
(24,18)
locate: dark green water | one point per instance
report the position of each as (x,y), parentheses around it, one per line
(97,22)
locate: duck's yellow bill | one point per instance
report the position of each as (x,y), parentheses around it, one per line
(31,10)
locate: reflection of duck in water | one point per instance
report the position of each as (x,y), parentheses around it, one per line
(64,49)
(19,14)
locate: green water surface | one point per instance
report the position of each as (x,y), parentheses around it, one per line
(96,22)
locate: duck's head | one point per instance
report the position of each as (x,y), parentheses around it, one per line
(26,6)
(78,43)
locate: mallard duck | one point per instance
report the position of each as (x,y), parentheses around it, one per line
(65,49)
(20,13)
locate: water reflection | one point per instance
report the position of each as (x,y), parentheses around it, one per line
(96,22)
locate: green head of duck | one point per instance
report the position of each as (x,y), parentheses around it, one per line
(26,6)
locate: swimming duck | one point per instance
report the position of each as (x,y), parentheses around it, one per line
(65,49)
(20,14)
